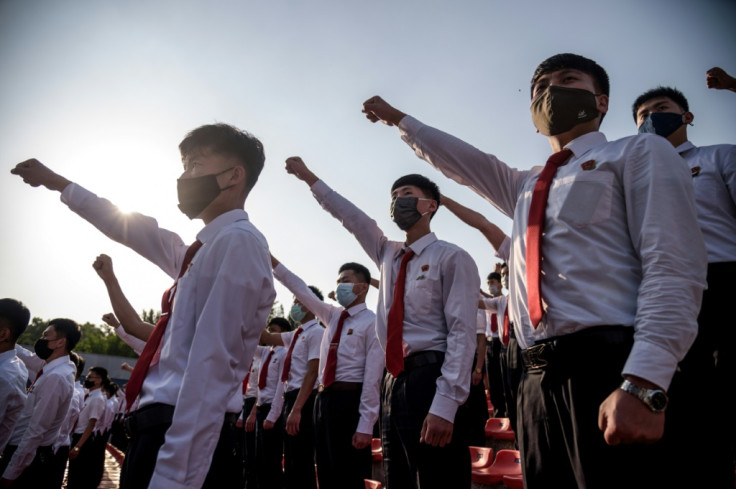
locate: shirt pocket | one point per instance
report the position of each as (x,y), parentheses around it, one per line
(589,199)
(419,292)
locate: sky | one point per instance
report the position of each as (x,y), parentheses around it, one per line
(102,92)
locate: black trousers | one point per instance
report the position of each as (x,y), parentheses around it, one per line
(38,475)
(299,449)
(496,384)
(269,450)
(61,457)
(512,368)
(407,463)
(250,466)
(471,417)
(147,438)
(84,470)
(336,416)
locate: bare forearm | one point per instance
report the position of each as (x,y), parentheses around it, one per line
(128,317)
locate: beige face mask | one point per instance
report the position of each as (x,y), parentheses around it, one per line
(559,109)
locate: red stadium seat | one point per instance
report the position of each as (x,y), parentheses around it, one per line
(507,462)
(371,484)
(481,457)
(376,450)
(513,481)
(499,428)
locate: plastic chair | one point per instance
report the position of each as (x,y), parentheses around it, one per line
(499,428)
(507,462)
(513,481)
(371,484)
(480,457)
(376,450)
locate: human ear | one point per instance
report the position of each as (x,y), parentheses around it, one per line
(601,102)
(688,117)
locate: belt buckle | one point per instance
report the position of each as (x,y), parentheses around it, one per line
(534,356)
(320,388)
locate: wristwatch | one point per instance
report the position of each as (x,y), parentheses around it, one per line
(655,399)
(478,371)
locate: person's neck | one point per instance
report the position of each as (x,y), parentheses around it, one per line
(359,300)
(6,347)
(558,141)
(677,137)
(56,354)
(417,231)
(307,319)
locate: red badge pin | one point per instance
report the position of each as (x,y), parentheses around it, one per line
(588,165)
(425,268)
(695,171)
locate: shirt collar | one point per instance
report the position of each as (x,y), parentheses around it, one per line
(308,324)
(356,309)
(7,355)
(419,245)
(687,145)
(57,362)
(210,230)
(581,144)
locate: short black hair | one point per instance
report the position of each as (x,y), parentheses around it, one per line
(427,186)
(359,270)
(16,315)
(671,93)
(317,292)
(111,387)
(494,276)
(227,140)
(102,372)
(78,362)
(576,62)
(69,330)
(283,323)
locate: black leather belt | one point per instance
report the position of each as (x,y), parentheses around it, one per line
(157,414)
(341,386)
(553,350)
(422,358)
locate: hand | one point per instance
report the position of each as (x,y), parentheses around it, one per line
(125,366)
(103,267)
(476,377)
(361,440)
(436,431)
(239,423)
(296,166)
(268,425)
(73,453)
(331,295)
(498,267)
(625,419)
(376,109)
(250,423)
(293,421)
(719,79)
(110,319)
(35,174)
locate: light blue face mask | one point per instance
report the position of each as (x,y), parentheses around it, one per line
(345,294)
(297,313)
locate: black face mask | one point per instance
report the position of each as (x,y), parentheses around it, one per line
(661,123)
(559,109)
(42,349)
(89,384)
(404,212)
(195,194)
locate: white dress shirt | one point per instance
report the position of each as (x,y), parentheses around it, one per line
(621,246)
(713,170)
(220,307)
(93,407)
(13,378)
(251,389)
(135,343)
(266,395)
(440,297)
(72,415)
(43,413)
(497,306)
(359,355)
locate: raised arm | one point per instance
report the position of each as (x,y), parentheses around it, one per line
(301,291)
(474,219)
(720,80)
(126,315)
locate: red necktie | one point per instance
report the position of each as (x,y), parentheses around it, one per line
(534,231)
(505,336)
(328,377)
(395,322)
(287,359)
(144,361)
(494,323)
(247,378)
(30,387)
(264,370)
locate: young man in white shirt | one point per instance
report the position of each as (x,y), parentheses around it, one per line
(429,337)
(14,317)
(350,371)
(625,207)
(29,453)
(222,298)
(709,369)
(296,392)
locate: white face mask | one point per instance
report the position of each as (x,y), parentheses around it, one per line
(493,289)
(345,294)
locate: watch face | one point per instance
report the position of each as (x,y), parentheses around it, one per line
(658,400)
